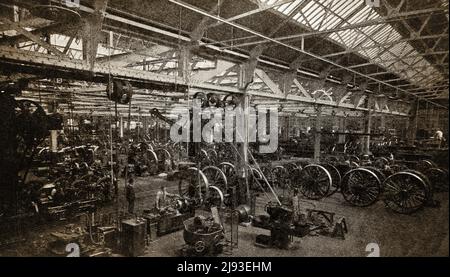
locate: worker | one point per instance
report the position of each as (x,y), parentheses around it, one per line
(162,196)
(391,158)
(439,137)
(130,195)
(295,204)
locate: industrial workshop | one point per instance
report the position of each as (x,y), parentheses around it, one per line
(224,128)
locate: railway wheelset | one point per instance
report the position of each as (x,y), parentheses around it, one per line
(404,189)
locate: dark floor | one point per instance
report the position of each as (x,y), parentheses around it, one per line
(424,233)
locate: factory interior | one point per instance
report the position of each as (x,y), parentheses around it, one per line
(249,128)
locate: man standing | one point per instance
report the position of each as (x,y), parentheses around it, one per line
(162,197)
(130,195)
(295,204)
(439,137)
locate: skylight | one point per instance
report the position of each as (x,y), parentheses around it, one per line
(379,42)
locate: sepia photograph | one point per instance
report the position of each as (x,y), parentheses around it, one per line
(227,129)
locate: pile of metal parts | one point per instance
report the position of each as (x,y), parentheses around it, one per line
(149,158)
(26,126)
(66,188)
(284,223)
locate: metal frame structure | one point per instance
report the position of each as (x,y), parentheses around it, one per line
(180,60)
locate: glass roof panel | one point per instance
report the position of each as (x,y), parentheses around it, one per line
(377,41)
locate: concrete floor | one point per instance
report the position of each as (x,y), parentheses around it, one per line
(425,233)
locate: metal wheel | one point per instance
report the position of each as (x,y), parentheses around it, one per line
(295,177)
(353,158)
(213,156)
(203,158)
(360,187)
(336,178)
(314,181)
(164,159)
(332,159)
(216,177)
(378,172)
(215,197)
(280,177)
(428,185)
(438,178)
(267,172)
(405,192)
(152,162)
(424,165)
(255,178)
(193,185)
(229,170)
(290,167)
(381,162)
(397,168)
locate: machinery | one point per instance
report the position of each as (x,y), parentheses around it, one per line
(203,236)
(284,224)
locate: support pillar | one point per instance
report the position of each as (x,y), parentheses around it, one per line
(317,135)
(413,123)
(367,128)
(383,123)
(244,81)
(341,138)
(145,126)
(54,141)
(121,126)
(157,131)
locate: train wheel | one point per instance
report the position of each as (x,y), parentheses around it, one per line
(256,179)
(381,162)
(360,187)
(438,178)
(424,165)
(216,177)
(152,162)
(280,177)
(336,178)
(405,192)
(194,185)
(229,170)
(290,167)
(314,181)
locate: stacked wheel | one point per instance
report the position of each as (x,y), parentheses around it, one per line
(424,165)
(229,170)
(194,185)
(381,162)
(405,192)
(216,177)
(152,162)
(336,178)
(361,187)
(257,182)
(438,178)
(290,167)
(313,182)
(280,177)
